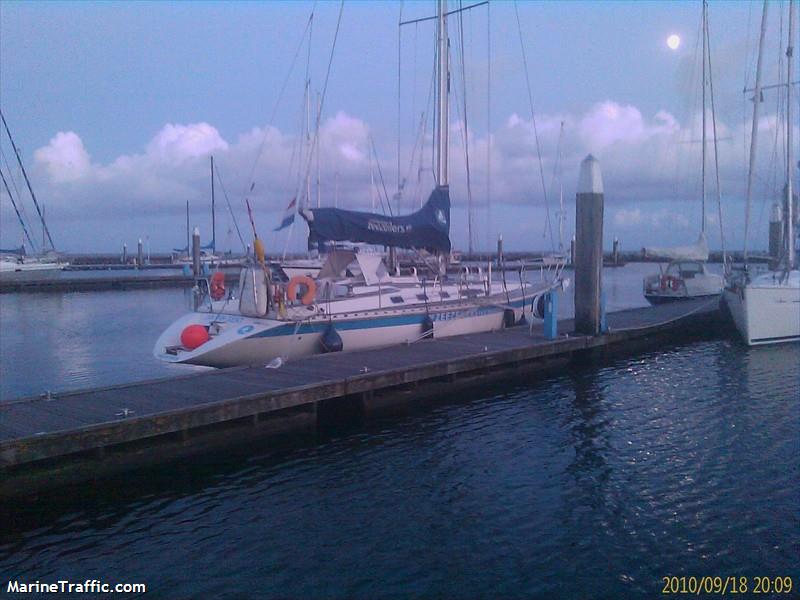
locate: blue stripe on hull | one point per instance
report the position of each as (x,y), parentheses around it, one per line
(386,321)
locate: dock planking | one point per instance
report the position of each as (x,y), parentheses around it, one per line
(48,428)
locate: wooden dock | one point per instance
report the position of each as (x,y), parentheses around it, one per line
(50,440)
(98,279)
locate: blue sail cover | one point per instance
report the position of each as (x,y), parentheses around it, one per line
(427,228)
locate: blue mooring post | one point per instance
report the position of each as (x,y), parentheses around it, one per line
(551,315)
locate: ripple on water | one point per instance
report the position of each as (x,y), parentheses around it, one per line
(595,482)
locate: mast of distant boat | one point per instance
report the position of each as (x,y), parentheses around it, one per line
(754,129)
(790,166)
(443,87)
(213,213)
(705,51)
(28,183)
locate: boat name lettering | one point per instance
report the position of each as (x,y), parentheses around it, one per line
(387,227)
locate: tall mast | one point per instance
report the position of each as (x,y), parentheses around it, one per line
(27,181)
(316,144)
(443,87)
(705,50)
(213,213)
(790,166)
(754,130)
(561,214)
(188,233)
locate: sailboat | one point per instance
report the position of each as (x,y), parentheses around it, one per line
(686,276)
(765,306)
(354,302)
(17,264)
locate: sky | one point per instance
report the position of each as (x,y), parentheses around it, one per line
(116,108)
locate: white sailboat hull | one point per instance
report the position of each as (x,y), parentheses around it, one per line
(768,310)
(258,341)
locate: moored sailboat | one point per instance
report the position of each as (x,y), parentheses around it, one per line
(354,302)
(765,307)
(686,276)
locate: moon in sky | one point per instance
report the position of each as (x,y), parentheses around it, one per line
(673,41)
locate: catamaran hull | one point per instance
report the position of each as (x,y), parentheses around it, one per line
(259,341)
(765,315)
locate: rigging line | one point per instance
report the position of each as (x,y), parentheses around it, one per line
(466,128)
(27,181)
(399,65)
(414,79)
(549,226)
(383,183)
(250,183)
(417,144)
(489,125)
(447,14)
(421,138)
(716,148)
(11,177)
(16,210)
(230,208)
(16,189)
(315,145)
(754,132)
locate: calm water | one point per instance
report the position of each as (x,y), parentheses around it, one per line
(593,482)
(58,342)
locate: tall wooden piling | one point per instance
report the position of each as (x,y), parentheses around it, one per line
(196,252)
(588,247)
(139,255)
(572,252)
(500,250)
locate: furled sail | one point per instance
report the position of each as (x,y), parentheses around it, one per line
(428,228)
(698,251)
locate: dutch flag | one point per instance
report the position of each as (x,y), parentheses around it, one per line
(288,215)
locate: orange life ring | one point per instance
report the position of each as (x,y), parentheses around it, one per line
(311,289)
(218,286)
(675,284)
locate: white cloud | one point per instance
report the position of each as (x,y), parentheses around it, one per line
(64,157)
(642,157)
(177,143)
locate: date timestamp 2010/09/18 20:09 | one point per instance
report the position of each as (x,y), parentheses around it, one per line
(731,584)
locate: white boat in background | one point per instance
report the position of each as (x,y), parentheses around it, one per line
(308,267)
(16,264)
(19,268)
(686,276)
(765,306)
(354,303)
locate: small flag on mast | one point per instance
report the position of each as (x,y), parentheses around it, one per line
(288,215)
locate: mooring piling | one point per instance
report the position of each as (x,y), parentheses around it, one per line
(196,251)
(588,247)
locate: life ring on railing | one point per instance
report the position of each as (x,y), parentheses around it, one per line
(674,283)
(311,289)
(217,286)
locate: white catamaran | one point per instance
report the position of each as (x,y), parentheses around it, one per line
(354,303)
(766,306)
